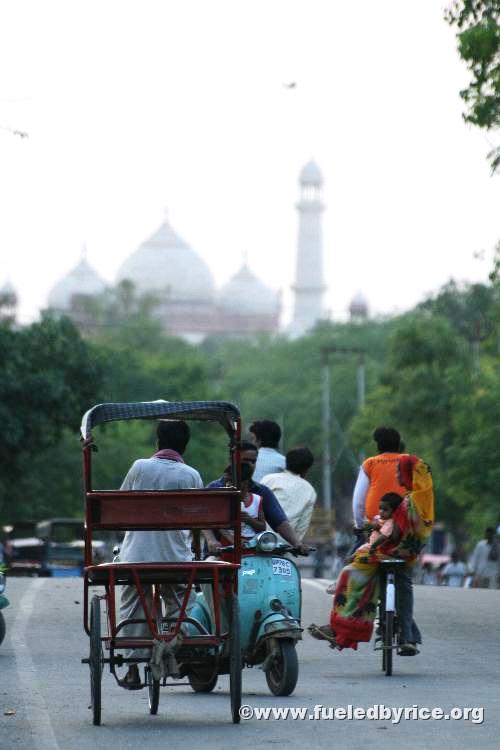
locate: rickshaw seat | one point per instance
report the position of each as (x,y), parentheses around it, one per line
(160,572)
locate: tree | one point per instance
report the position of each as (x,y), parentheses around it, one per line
(48,377)
(479,46)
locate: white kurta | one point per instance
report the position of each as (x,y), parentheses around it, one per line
(159,546)
(296,496)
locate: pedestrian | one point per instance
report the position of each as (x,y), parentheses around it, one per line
(267,436)
(454,572)
(484,562)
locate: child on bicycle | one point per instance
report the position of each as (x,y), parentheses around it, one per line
(382,526)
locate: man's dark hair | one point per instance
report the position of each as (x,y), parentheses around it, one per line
(388,439)
(246,471)
(268,433)
(299,460)
(173,434)
(392,499)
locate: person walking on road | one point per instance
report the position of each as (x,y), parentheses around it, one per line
(485,561)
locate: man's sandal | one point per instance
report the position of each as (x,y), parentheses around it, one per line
(323,633)
(131,681)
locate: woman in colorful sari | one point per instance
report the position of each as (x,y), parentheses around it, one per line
(357,590)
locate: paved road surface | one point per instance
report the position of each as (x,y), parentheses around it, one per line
(43,681)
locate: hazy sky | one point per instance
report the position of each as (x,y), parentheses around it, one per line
(134,106)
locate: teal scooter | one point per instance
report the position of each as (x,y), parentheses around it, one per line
(4,602)
(269,598)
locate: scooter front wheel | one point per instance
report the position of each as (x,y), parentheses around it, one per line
(283,672)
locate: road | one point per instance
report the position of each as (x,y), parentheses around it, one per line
(44,689)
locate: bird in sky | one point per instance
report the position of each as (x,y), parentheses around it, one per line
(20,133)
(478,254)
(291,85)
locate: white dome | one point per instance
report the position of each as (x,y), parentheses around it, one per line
(8,289)
(81,280)
(310,174)
(165,263)
(359,305)
(244,293)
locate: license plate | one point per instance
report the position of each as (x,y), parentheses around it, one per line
(282,567)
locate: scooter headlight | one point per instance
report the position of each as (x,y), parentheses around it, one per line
(267,541)
(2,583)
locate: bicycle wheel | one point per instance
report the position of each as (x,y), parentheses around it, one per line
(388,642)
(235,666)
(95,659)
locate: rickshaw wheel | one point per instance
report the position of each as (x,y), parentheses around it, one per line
(153,694)
(235,666)
(202,680)
(95,659)
(283,674)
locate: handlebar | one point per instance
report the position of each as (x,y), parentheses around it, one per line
(295,551)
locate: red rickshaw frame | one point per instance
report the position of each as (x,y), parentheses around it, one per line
(160,510)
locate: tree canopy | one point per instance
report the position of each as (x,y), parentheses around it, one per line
(478,35)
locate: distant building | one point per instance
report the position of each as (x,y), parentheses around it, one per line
(309,288)
(8,302)
(189,303)
(358,309)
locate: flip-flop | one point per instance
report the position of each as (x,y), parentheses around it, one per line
(322,633)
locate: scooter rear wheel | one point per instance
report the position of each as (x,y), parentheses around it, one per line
(202,680)
(283,673)
(2,628)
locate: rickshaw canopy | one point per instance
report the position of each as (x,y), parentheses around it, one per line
(223,412)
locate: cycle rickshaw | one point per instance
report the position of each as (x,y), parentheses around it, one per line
(196,649)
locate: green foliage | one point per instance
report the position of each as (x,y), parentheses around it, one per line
(479,47)
(48,374)
(432,373)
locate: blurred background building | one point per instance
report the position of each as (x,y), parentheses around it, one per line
(187,300)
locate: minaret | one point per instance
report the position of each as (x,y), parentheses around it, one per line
(309,283)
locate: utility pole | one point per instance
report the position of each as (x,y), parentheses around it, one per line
(327,429)
(327,411)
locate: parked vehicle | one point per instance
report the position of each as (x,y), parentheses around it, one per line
(4,602)
(55,550)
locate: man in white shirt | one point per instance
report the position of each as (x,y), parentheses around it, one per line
(165,470)
(267,435)
(454,572)
(485,562)
(294,493)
